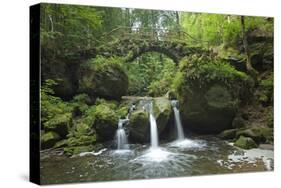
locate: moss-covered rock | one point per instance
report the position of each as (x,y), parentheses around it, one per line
(49,139)
(139,126)
(105,124)
(209,92)
(162,110)
(77,143)
(245,143)
(254,133)
(103,77)
(59,123)
(228,134)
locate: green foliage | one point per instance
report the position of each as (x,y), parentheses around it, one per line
(100,63)
(151,74)
(216,29)
(265,90)
(162,84)
(52,106)
(203,70)
(66,27)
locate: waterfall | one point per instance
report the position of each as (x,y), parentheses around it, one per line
(153,128)
(121,137)
(180,133)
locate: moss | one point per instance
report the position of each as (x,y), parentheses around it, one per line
(122,112)
(61,144)
(59,123)
(245,143)
(139,126)
(253,133)
(49,139)
(209,92)
(80,141)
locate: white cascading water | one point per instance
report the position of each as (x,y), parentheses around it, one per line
(121,137)
(180,132)
(153,128)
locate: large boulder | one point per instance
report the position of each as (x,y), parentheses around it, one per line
(209,92)
(105,122)
(162,110)
(208,110)
(258,134)
(103,79)
(139,126)
(49,139)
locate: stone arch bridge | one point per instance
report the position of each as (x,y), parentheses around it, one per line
(132,44)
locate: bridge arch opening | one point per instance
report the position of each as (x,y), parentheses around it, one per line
(153,49)
(150,71)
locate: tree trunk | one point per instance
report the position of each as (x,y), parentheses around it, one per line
(178,23)
(252,72)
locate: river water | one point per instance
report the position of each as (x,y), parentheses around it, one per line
(196,156)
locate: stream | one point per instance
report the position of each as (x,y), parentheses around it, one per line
(194,156)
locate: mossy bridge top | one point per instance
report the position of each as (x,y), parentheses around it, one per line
(132,43)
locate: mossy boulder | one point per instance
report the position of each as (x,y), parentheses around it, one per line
(208,110)
(78,143)
(139,126)
(105,123)
(103,77)
(49,139)
(253,133)
(59,123)
(209,92)
(162,110)
(228,134)
(245,143)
